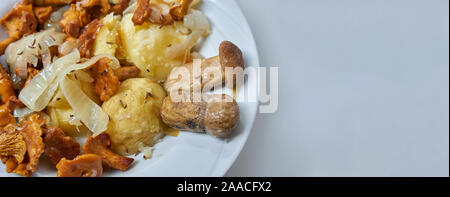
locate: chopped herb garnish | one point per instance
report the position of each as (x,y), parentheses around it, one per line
(58,99)
(148,95)
(123,105)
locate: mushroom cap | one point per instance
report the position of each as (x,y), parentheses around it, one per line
(230,55)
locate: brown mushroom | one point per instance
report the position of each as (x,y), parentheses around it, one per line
(101,145)
(126,72)
(73,20)
(87,165)
(142,13)
(229,56)
(217,115)
(58,145)
(106,83)
(178,12)
(43,13)
(103,4)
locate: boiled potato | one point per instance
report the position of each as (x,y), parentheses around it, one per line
(134,113)
(106,42)
(64,119)
(145,46)
(60,112)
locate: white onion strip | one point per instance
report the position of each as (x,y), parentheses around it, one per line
(84,108)
(38,93)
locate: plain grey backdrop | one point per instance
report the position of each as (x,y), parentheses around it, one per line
(363,88)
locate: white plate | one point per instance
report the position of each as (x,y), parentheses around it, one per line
(192,154)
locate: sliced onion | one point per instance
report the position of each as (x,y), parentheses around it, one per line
(20,67)
(67,46)
(181,49)
(37,94)
(84,108)
(197,21)
(28,49)
(22,112)
(199,25)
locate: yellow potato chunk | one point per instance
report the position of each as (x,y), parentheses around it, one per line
(134,113)
(64,118)
(145,46)
(106,42)
(61,113)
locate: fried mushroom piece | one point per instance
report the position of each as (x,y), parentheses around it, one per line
(103,4)
(6,88)
(42,13)
(17,23)
(106,83)
(6,116)
(6,110)
(32,132)
(217,115)
(73,20)
(87,37)
(12,143)
(87,165)
(120,7)
(101,145)
(178,12)
(142,13)
(126,72)
(58,145)
(20,21)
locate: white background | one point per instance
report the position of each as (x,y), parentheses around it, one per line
(363,88)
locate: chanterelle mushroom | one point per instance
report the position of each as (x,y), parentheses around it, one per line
(58,145)
(142,13)
(101,145)
(88,165)
(178,12)
(12,143)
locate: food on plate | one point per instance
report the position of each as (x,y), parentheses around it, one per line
(31,133)
(12,143)
(17,23)
(58,145)
(101,145)
(106,82)
(102,73)
(134,113)
(87,165)
(216,115)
